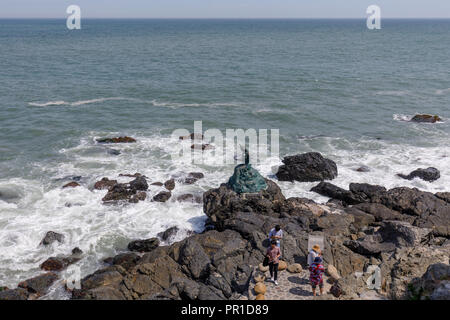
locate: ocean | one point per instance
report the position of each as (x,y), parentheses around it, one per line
(330,86)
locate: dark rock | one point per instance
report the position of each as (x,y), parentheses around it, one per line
(60,263)
(144,245)
(430,174)
(196,175)
(402,234)
(443,196)
(194,258)
(380,212)
(169,233)
(51,237)
(159,184)
(367,192)
(119,192)
(336,290)
(363,169)
(163,196)
(330,190)
(72,184)
(370,247)
(333,224)
(222,204)
(307,167)
(105,183)
(140,196)
(77,251)
(427,118)
(190,180)
(14,294)
(39,285)
(202,147)
(430,211)
(126,260)
(170,184)
(139,184)
(361,219)
(124,139)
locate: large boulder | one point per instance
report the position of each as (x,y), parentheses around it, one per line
(434,284)
(330,190)
(307,167)
(222,204)
(39,285)
(430,174)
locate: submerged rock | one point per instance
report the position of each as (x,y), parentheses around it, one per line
(307,167)
(139,184)
(169,233)
(430,174)
(51,237)
(363,169)
(61,263)
(105,183)
(119,192)
(163,196)
(426,118)
(202,147)
(124,139)
(72,184)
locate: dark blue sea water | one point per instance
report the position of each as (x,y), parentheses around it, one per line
(331,86)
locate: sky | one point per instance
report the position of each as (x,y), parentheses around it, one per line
(225,8)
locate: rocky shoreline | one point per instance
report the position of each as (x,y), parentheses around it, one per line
(403,231)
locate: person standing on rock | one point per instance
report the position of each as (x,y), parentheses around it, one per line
(313,253)
(273,253)
(276,234)
(316,271)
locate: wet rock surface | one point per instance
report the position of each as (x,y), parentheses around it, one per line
(430,174)
(124,139)
(307,167)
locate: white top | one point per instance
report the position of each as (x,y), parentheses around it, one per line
(276,233)
(311,256)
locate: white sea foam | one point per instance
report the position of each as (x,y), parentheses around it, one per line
(47,104)
(397,93)
(156,103)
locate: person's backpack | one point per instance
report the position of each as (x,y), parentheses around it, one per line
(266,261)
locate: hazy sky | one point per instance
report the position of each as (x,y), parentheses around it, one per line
(225,8)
